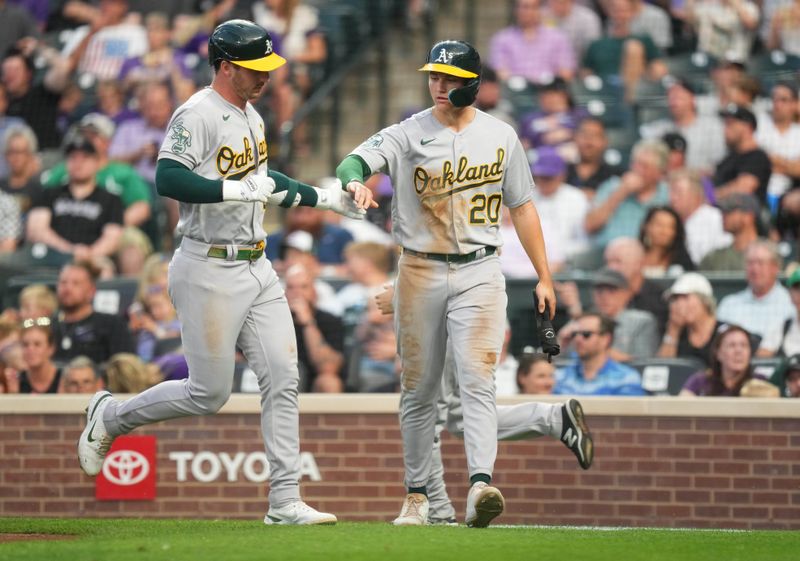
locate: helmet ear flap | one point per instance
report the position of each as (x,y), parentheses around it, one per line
(466,94)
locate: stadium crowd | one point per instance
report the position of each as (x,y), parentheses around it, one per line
(663,139)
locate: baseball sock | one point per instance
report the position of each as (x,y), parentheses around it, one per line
(421,490)
(485,477)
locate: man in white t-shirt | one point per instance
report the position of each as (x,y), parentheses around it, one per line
(779,136)
(701,221)
(785,338)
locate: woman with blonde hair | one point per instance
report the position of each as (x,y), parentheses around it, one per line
(37,300)
(41,375)
(126,373)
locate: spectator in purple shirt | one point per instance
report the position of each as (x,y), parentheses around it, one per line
(136,141)
(531,50)
(554,123)
(731,368)
(161,62)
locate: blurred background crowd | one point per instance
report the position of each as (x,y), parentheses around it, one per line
(663,138)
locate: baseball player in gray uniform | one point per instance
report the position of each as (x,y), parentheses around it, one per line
(214,161)
(452,167)
(524,421)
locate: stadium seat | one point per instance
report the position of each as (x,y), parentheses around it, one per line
(695,67)
(666,376)
(766,366)
(522,95)
(114,296)
(773,66)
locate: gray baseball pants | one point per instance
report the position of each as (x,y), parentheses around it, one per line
(223,304)
(465,305)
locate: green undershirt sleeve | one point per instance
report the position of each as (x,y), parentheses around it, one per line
(352,168)
(176,181)
(308,196)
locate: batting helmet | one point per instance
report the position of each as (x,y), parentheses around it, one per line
(245,44)
(457,58)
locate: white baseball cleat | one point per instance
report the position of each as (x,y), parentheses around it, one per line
(484,504)
(95,441)
(297,513)
(414,511)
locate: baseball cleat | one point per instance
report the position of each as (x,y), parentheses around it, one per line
(484,504)
(95,441)
(414,511)
(297,513)
(575,433)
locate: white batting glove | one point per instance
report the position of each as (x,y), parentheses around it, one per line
(256,187)
(339,201)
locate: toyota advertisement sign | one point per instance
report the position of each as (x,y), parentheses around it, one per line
(129,472)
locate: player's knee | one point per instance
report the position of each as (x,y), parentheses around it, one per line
(212,402)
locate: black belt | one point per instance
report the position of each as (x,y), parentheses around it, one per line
(454,257)
(243,254)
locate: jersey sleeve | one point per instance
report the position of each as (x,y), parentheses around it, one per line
(518,183)
(186,140)
(382,149)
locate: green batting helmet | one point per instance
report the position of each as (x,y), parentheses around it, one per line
(457,58)
(244,44)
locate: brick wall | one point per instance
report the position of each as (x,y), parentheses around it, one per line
(650,470)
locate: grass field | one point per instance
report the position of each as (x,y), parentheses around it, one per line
(193,540)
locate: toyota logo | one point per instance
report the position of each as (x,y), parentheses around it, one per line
(126,467)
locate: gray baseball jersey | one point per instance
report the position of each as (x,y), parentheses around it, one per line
(448,186)
(217,140)
(225,304)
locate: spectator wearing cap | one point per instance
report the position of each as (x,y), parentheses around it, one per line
(35,103)
(623,55)
(635,331)
(562,207)
(703,134)
(591,170)
(765,304)
(701,221)
(746,168)
(554,123)
(117,178)
(622,203)
(99,49)
(510,48)
(784,339)
(724,28)
(740,218)
(779,136)
(580,23)
(787,377)
(692,321)
(78,220)
(595,372)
